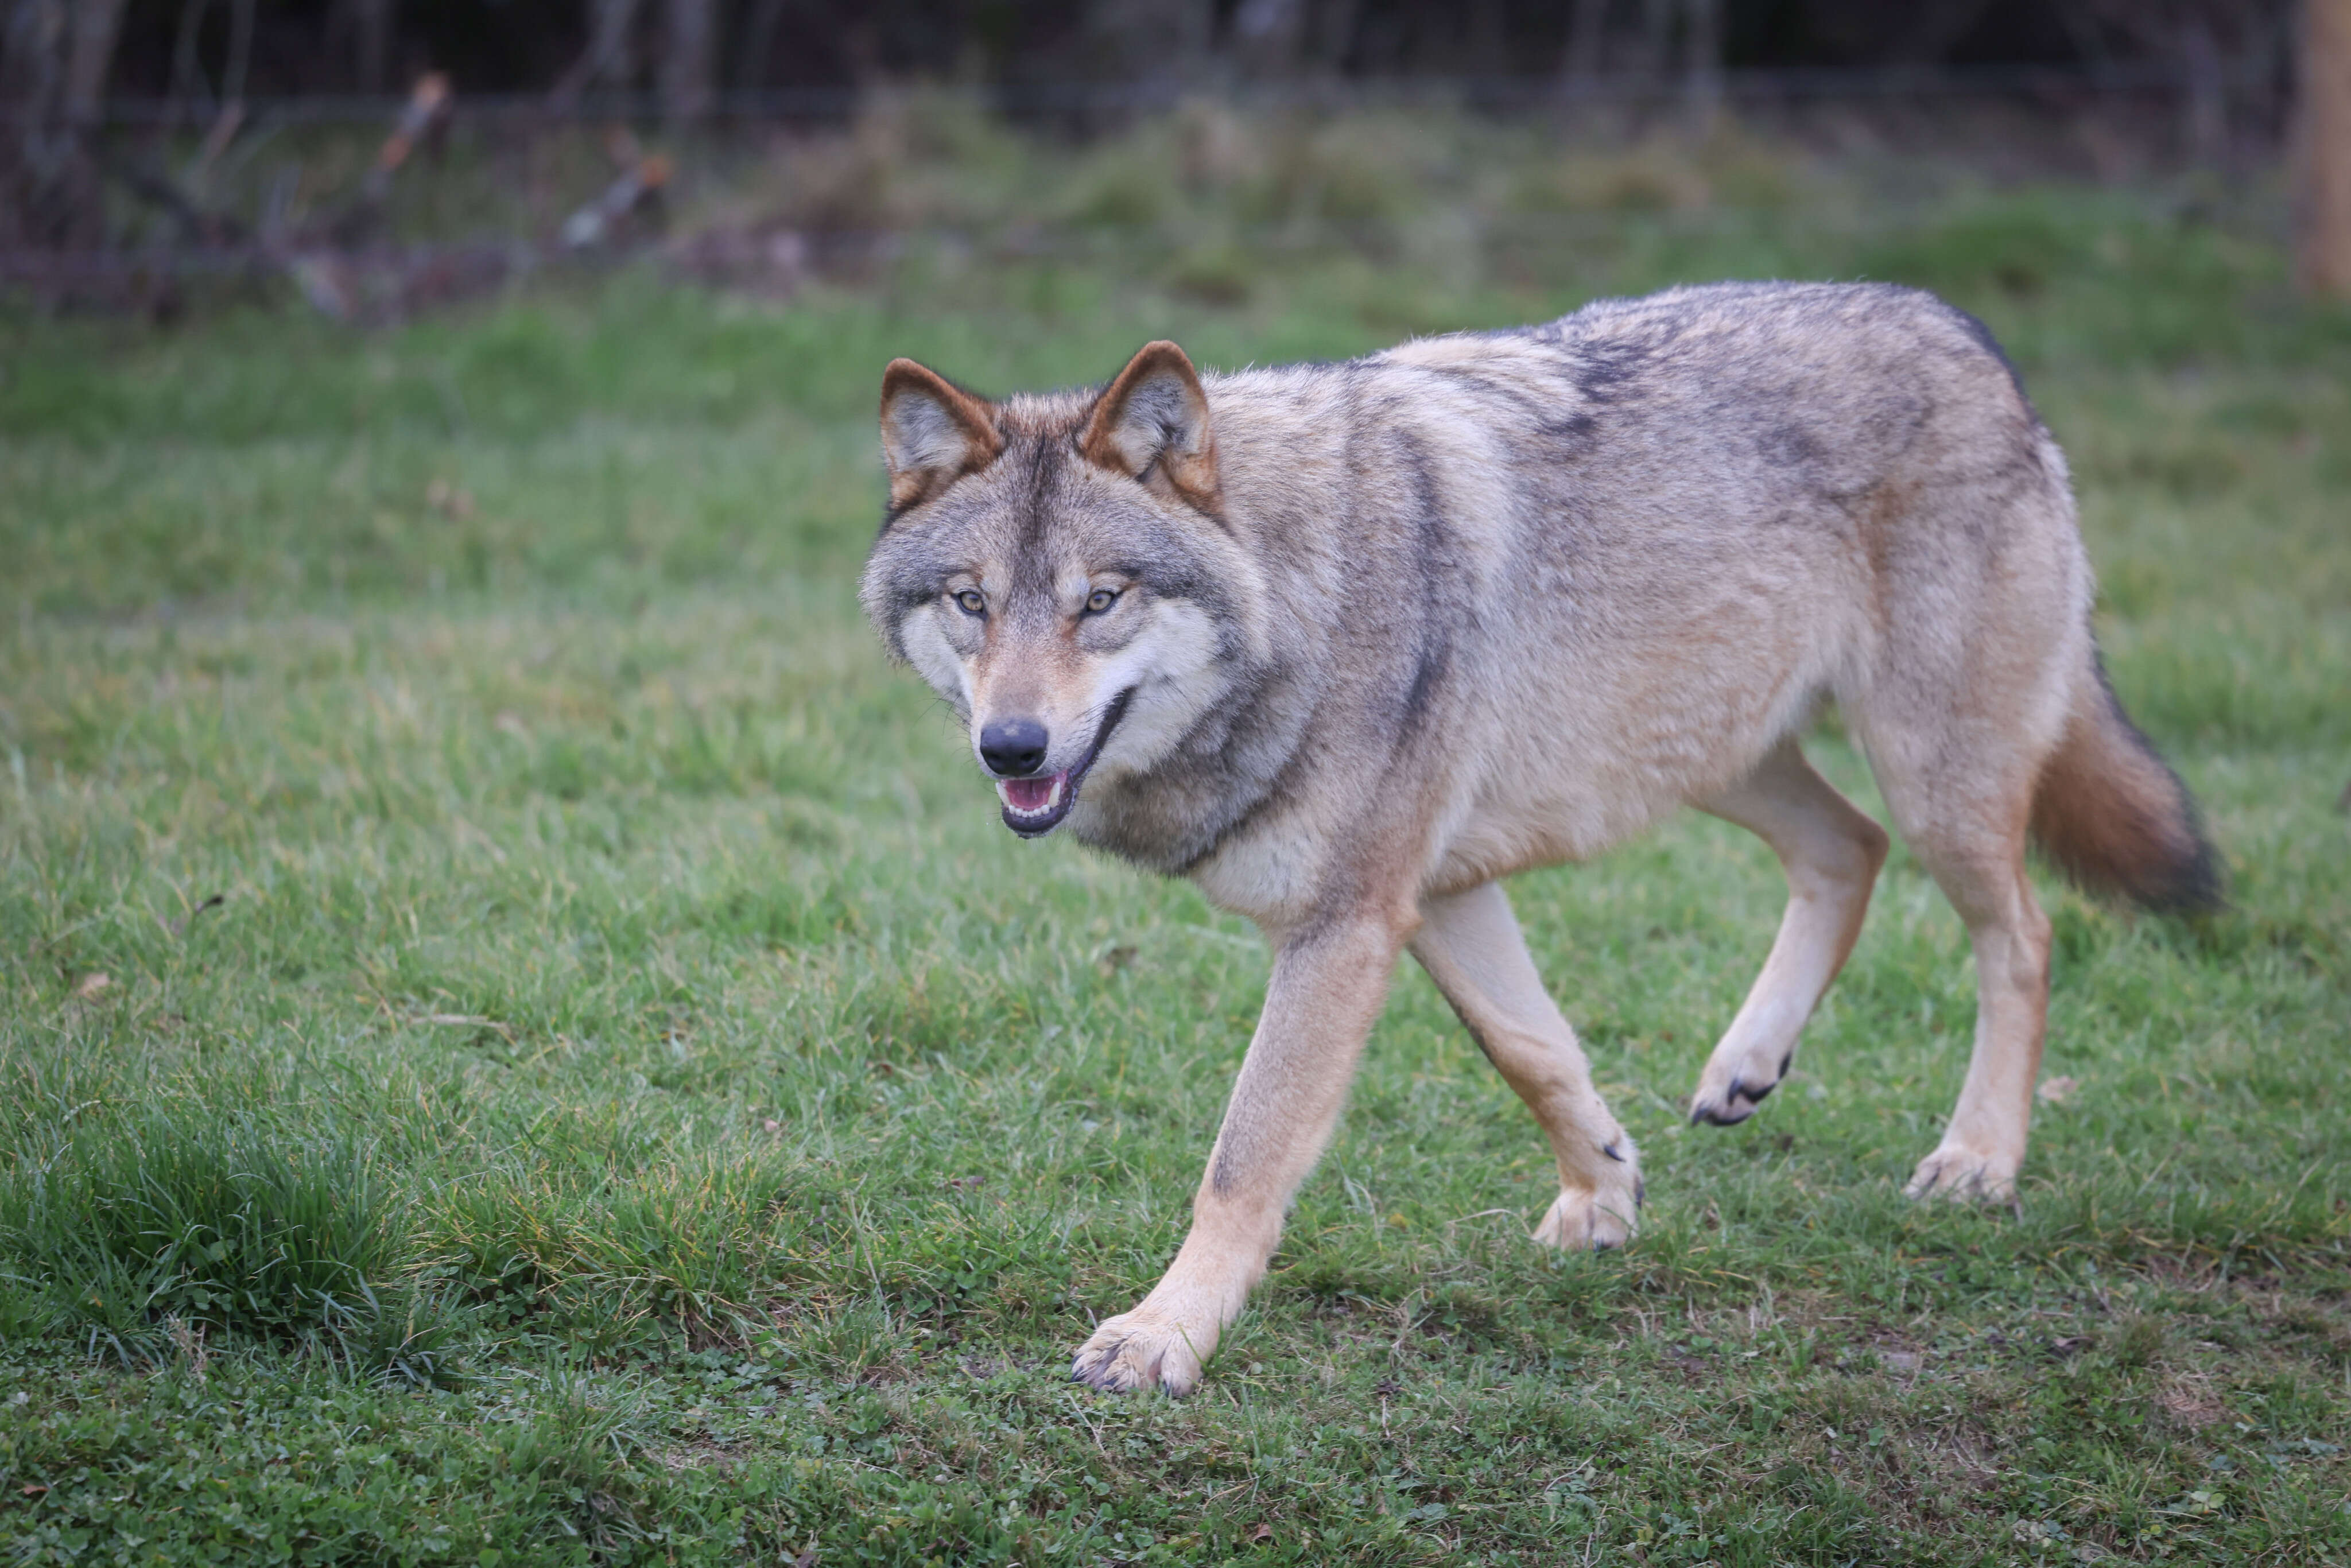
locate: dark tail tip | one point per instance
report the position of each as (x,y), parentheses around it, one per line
(2111,814)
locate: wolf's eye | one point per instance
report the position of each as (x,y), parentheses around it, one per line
(1099,600)
(971,601)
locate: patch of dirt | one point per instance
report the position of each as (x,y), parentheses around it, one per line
(693,1455)
(2188,1402)
(1901,1355)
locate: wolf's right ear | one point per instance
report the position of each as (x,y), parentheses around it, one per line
(933,433)
(1151,424)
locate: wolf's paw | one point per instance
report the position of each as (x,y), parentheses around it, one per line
(1957,1171)
(1733,1084)
(1144,1349)
(1579,1220)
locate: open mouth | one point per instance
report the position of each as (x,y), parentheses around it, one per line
(1036,805)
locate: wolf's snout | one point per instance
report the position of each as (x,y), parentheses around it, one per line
(1012,748)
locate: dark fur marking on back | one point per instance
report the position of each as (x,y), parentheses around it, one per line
(1982,334)
(1602,370)
(1434,568)
(1790,445)
(1577,432)
(1427,674)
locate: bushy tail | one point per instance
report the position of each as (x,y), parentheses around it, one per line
(2114,817)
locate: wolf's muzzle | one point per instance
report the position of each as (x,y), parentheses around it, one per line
(1035,805)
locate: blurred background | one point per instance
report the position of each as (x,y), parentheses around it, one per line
(157,147)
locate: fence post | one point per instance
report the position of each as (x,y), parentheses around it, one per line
(2322,137)
(689,62)
(48,181)
(1702,73)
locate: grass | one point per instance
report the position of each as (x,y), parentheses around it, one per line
(524,1042)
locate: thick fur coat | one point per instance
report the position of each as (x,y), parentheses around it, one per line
(1347,643)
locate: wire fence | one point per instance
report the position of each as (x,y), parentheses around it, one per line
(2057,86)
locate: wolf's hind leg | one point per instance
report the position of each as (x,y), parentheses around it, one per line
(1470,945)
(1960,797)
(1983,873)
(1830,853)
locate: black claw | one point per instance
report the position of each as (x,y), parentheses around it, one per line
(1610,1150)
(1790,1057)
(1098,1379)
(1640,1191)
(1755,1096)
(1712,1117)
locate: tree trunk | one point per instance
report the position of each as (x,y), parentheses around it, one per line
(608,61)
(97,25)
(2323,133)
(1702,65)
(1657,38)
(1488,39)
(48,183)
(374,20)
(1335,30)
(759,41)
(1267,34)
(1587,34)
(689,62)
(2208,94)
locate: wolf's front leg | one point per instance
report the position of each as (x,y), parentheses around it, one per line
(1326,990)
(1471,944)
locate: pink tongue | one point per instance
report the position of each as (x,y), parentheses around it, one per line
(1029,794)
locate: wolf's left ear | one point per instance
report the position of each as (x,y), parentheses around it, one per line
(1153,426)
(933,433)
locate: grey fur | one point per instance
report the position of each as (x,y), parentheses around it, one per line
(1399,627)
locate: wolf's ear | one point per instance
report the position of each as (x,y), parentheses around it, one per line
(933,433)
(1153,426)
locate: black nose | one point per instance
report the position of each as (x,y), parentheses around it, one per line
(1013,747)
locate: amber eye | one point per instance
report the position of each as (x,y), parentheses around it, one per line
(1099,600)
(971,601)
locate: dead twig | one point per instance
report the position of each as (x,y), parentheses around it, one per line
(197,222)
(423,117)
(420,117)
(637,184)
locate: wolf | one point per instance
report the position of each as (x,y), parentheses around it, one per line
(1348,644)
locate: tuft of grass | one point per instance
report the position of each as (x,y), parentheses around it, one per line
(586,1247)
(150,1232)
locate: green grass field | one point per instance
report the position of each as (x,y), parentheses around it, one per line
(523,1041)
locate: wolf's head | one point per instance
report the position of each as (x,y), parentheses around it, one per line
(1059,569)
